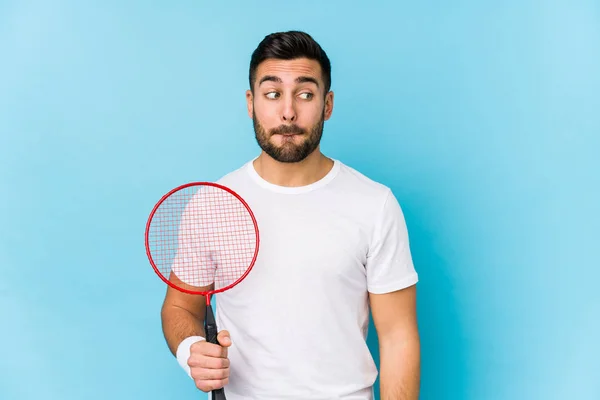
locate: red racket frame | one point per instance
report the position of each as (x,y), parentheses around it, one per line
(209,293)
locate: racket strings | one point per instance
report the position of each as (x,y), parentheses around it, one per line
(204,235)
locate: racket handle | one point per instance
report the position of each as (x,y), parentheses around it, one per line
(210,328)
(218,394)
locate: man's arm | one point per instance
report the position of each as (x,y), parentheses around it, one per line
(395,319)
(182,315)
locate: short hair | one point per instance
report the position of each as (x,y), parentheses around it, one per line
(288,46)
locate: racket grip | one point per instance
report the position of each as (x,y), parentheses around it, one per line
(210,329)
(218,394)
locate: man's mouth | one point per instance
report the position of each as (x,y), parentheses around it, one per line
(287,131)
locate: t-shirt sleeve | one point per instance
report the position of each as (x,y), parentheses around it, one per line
(389,262)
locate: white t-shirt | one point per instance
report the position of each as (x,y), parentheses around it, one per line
(299,319)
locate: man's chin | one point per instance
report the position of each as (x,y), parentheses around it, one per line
(286,154)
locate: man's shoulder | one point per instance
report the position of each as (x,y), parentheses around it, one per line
(360,182)
(234,176)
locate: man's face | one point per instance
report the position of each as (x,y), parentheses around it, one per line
(289,108)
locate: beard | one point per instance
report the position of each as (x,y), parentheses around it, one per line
(288,151)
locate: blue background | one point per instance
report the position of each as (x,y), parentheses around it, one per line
(483,117)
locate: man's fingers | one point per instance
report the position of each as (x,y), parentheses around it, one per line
(200,361)
(208,349)
(224,338)
(209,374)
(207,386)
(209,365)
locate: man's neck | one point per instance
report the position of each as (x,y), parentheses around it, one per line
(310,170)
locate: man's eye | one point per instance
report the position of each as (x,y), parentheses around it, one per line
(306,96)
(272,95)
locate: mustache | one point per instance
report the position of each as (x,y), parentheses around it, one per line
(287,129)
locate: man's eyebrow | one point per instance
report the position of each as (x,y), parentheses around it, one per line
(303,79)
(300,79)
(271,78)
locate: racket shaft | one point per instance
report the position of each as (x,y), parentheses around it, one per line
(210,325)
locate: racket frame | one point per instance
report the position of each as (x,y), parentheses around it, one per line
(208,293)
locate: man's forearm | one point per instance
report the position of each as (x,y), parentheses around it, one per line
(178,324)
(400,365)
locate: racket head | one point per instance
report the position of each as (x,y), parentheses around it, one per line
(198,232)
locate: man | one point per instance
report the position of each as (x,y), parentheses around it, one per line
(334,245)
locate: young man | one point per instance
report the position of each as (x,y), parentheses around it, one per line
(334,245)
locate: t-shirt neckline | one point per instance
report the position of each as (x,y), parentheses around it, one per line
(293,189)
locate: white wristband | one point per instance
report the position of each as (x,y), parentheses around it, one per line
(183,352)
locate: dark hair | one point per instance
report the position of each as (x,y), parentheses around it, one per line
(288,46)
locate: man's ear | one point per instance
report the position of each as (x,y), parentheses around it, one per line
(328,105)
(249,102)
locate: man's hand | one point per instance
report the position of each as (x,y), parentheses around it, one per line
(209,365)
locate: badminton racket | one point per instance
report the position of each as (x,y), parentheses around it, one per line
(202,238)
